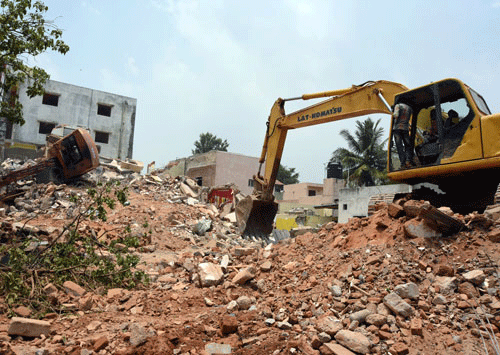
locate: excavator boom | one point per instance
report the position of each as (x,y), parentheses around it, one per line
(255,213)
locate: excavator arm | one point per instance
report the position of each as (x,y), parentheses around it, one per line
(255,213)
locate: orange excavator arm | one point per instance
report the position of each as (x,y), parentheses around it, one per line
(73,155)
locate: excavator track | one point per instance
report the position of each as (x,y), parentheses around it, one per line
(421,193)
(497,195)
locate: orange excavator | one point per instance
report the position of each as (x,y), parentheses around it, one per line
(458,168)
(69,157)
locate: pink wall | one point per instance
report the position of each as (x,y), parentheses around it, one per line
(236,168)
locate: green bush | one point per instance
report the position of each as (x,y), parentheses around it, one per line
(71,256)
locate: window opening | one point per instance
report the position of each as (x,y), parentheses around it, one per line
(311,193)
(50,99)
(46,127)
(104,110)
(481,104)
(101,137)
(71,153)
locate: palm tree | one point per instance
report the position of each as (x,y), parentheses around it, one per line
(365,161)
(208,142)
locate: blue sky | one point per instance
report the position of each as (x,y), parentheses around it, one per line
(218,66)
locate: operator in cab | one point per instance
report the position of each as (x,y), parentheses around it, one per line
(402,114)
(431,135)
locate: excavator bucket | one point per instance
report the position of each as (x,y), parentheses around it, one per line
(255,217)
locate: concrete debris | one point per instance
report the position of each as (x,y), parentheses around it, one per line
(218,349)
(446,284)
(402,281)
(476,277)
(73,289)
(139,334)
(203,226)
(419,228)
(28,327)
(408,290)
(210,274)
(244,275)
(397,305)
(355,341)
(329,325)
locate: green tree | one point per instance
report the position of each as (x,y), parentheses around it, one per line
(287,175)
(208,142)
(24,34)
(365,161)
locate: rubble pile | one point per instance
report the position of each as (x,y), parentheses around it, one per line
(408,280)
(188,218)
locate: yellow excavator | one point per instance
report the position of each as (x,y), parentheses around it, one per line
(459,167)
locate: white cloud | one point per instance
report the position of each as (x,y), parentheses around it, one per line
(131,66)
(110,82)
(163,5)
(91,8)
(304,8)
(315,20)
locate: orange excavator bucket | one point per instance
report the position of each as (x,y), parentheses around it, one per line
(255,217)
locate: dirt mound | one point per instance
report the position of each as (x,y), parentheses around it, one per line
(400,281)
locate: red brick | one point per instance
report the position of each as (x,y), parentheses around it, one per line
(399,349)
(228,325)
(101,343)
(384,335)
(416,326)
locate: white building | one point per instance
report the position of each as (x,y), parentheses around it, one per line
(354,202)
(110,118)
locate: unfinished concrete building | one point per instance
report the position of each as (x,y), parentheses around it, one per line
(110,118)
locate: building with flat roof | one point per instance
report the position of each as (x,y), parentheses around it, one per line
(216,168)
(320,197)
(110,118)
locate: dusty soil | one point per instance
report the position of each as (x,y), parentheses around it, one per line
(335,271)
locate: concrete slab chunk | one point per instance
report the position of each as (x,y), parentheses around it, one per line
(28,327)
(355,341)
(396,304)
(210,274)
(74,289)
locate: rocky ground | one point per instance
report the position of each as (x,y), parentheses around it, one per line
(394,283)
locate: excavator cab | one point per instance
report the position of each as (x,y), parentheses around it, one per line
(447,145)
(76,154)
(444,119)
